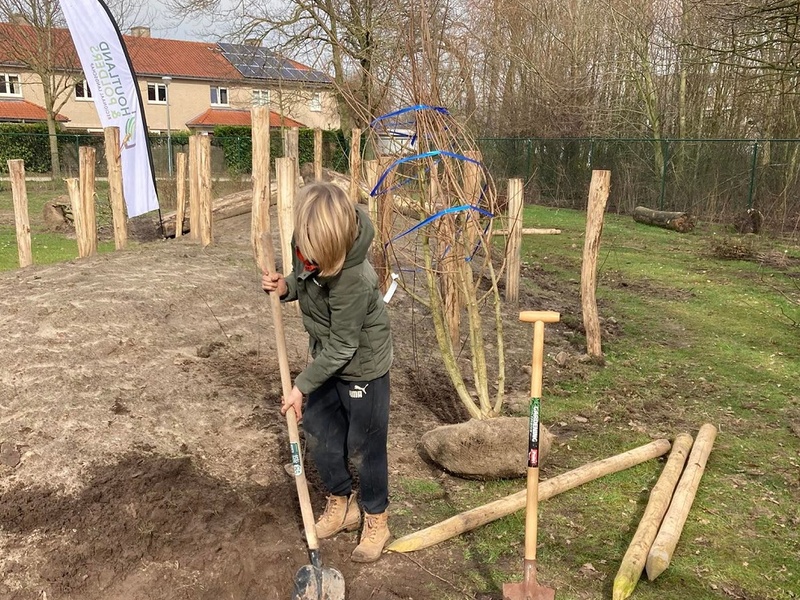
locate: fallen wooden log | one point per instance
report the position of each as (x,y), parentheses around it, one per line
(676,221)
(660,554)
(471,519)
(630,570)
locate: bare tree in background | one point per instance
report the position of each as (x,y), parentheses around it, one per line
(38,41)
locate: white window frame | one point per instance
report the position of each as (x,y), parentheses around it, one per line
(315,103)
(156,87)
(12,81)
(83,86)
(261,98)
(219,89)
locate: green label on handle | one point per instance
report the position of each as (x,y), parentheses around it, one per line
(296,463)
(533,433)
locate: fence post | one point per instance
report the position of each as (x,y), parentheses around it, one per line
(260,221)
(204,189)
(753,164)
(194,189)
(180,193)
(115,190)
(86,173)
(318,154)
(16,169)
(514,240)
(595,212)
(355,163)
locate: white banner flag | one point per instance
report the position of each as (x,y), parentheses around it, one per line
(115,91)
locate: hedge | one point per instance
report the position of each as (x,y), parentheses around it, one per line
(236,143)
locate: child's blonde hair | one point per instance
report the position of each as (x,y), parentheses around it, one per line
(325,226)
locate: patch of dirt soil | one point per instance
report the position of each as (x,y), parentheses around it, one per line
(142,445)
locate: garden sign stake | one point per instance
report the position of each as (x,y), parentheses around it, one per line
(311,582)
(528,588)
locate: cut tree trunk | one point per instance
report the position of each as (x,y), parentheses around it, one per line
(675,221)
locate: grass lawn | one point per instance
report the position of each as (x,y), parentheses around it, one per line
(701,339)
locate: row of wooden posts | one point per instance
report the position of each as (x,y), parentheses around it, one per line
(196,169)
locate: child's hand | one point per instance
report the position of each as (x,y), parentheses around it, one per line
(293,401)
(273,282)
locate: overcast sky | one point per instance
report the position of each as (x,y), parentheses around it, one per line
(164,25)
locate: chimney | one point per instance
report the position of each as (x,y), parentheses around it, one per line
(140,31)
(254,42)
(17,19)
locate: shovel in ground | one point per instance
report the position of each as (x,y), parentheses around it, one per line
(311,582)
(529,588)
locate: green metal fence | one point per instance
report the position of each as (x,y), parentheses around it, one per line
(714,179)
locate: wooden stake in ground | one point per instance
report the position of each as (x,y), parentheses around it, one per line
(474,518)
(514,242)
(261,185)
(355,163)
(19,192)
(87,156)
(372,173)
(74,191)
(194,190)
(204,188)
(598,197)
(291,146)
(115,191)
(180,192)
(664,546)
(287,184)
(630,570)
(318,154)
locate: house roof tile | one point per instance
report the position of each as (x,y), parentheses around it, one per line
(231,116)
(22,110)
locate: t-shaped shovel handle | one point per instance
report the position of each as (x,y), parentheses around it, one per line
(529,589)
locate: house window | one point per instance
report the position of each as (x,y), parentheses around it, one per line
(219,96)
(260,97)
(157,93)
(10,85)
(316,102)
(83,91)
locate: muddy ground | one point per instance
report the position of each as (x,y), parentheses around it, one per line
(142,449)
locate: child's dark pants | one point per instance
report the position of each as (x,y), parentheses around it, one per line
(350,420)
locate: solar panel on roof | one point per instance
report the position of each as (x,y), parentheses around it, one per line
(255,62)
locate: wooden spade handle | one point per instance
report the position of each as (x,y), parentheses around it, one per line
(267,260)
(538,318)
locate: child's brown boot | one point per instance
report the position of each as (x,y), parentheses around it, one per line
(341,513)
(373,538)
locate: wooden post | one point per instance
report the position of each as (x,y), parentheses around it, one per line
(180,192)
(472,195)
(86,173)
(474,518)
(663,547)
(74,191)
(372,173)
(259,223)
(194,190)
(514,241)
(291,146)
(630,570)
(318,154)
(598,197)
(385,210)
(19,192)
(204,189)
(287,184)
(355,164)
(115,191)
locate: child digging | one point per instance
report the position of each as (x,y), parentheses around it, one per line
(347,384)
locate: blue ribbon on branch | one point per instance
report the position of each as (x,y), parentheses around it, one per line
(429,154)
